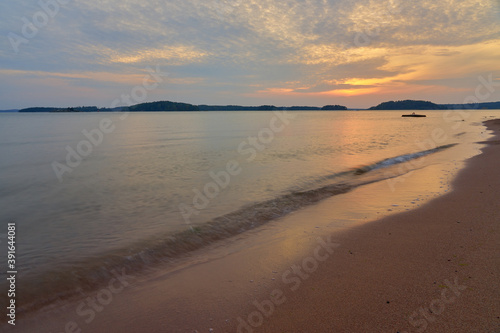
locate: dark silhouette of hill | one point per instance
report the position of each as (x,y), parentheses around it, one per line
(426,105)
(204,107)
(69,109)
(163,106)
(166,106)
(407,105)
(488,106)
(334,107)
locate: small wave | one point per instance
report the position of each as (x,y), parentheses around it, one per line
(65,283)
(400,159)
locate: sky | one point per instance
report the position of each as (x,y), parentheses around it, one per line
(356,53)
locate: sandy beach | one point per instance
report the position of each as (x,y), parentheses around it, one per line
(435,269)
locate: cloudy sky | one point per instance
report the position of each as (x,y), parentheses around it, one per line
(356,53)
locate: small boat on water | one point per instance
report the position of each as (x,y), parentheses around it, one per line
(414,115)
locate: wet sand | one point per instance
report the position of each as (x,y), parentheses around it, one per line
(434,269)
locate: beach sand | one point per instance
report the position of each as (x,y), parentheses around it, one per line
(435,269)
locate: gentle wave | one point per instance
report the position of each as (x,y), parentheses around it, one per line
(64,283)
(401,159)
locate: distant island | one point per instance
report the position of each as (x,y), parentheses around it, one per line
(168,106)
(426,105)
(162,106)
(333,107)
(407,105)
(70,109)
(267,108)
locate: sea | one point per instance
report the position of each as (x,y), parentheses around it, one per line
(90,193)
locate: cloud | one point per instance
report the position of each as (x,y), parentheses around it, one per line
(398,22)
(337,47)
(174,55)
(409,70)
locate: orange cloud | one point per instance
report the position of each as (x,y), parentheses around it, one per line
(409,66)
(175,55)
(276,91)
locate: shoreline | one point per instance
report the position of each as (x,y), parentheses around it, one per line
(90,273)
(374,263)
(433,269)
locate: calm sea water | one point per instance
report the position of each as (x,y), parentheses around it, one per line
(142,177)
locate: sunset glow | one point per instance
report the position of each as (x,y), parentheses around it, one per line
(354,53)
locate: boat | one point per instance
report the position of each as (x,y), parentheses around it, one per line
(414,115)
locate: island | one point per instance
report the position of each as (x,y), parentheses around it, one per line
(426,105)
(168,106)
